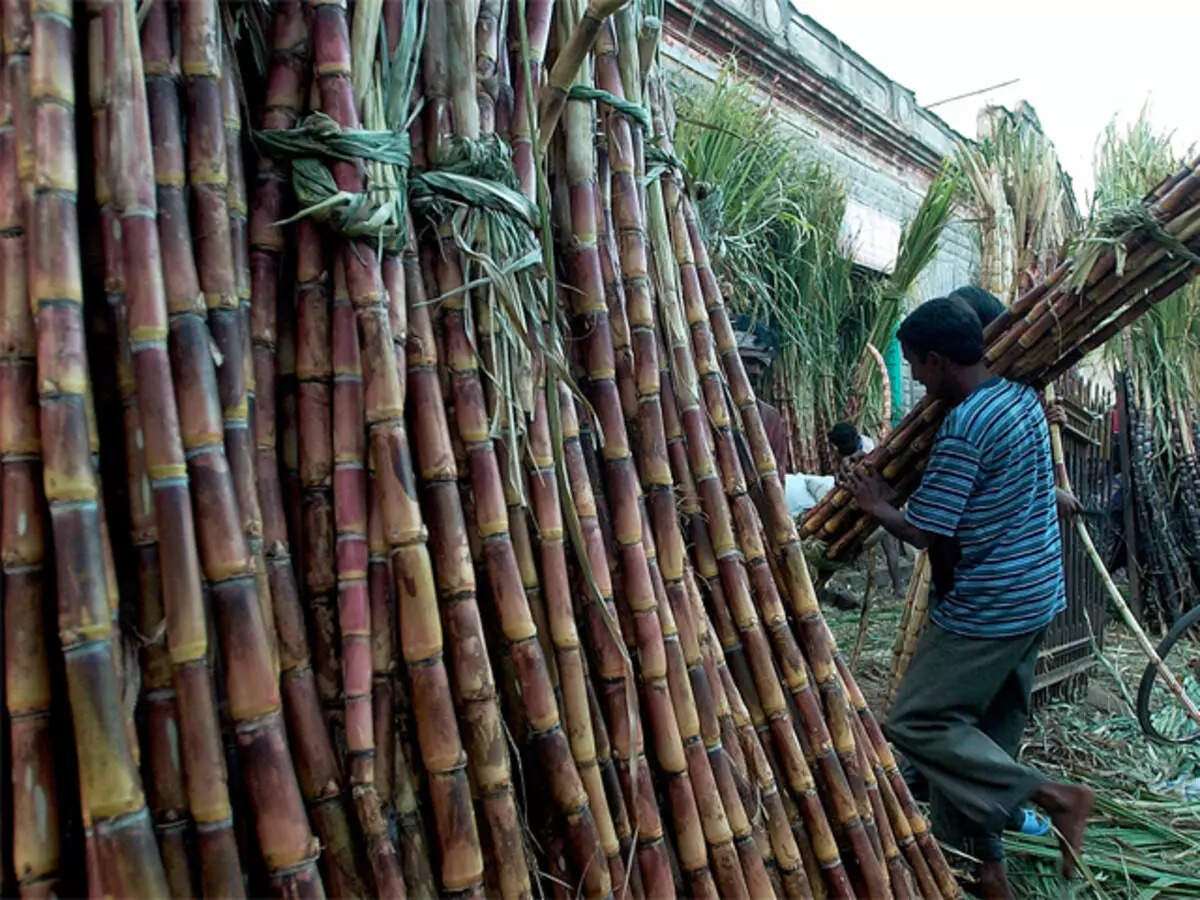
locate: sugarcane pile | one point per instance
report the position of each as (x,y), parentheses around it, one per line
(1164,483)
(1138,255)
(408,447)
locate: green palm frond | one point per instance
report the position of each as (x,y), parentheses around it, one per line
(772,214)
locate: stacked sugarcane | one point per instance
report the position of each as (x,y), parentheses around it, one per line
(438,477)
(1163,522)
(1133,259)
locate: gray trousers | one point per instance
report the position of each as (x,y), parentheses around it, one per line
(958,718)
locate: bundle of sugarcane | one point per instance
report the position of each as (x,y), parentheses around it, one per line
(1134,257)
(398,518)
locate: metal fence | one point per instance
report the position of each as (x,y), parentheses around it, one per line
(1073,638)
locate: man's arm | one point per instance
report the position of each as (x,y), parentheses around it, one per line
(874,496)
(931,520)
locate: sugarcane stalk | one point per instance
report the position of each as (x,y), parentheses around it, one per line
(567,657)
(314,403)
(572,54)
(926,416)
(900,878)
(183,600)
(531,24)
(173,237)
(285,841)
(239,404)
(354,612)
(1028,347)
(36,848)
(1047,374)
(1067,314)
(18,39)
(864,615)
(388,451)
(513,430)
(611,658)
(218,214)
(713,662)
(513,613)
(644,383)
(693,702)
(114,807)
(1089,547)
(906,863)
(160,725)
(916,614)
(476,692)
(317,766)
(532,18)
(610,267)
(724,630)
(516,621)
(395,774)
(632,885)
(788,862)
(287,389)
(1077,332)
(435,457)
(488,25)
(589,307)
(577,716)
(736,528)
(718,730)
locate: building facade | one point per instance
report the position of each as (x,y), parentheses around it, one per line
(866,127)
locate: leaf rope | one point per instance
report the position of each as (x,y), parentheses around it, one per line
(473,173)
(633,111)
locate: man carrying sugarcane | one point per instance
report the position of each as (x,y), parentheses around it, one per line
(985,511)
(987,308)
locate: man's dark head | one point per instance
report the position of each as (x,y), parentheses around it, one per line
(939,339)
(986,306)
(845,439)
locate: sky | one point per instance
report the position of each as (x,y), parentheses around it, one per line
(1079,63)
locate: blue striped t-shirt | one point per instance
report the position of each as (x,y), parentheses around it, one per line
(989,485)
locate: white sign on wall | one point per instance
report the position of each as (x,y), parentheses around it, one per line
(871,236)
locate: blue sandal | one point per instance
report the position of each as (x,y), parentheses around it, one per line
(1034,824)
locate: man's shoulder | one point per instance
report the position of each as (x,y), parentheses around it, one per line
(996,399)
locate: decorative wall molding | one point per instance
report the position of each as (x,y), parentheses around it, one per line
(813,72)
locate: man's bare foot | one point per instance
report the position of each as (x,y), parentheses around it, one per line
(1069,806)
(993,881)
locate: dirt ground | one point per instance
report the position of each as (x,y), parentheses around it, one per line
(873,665)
